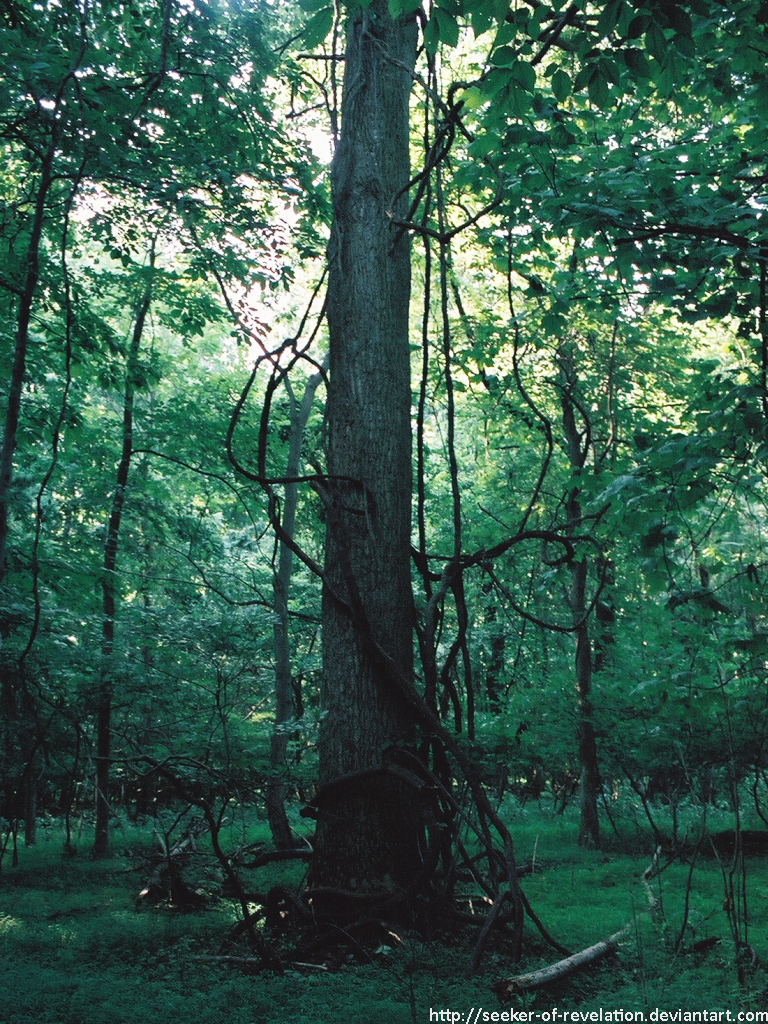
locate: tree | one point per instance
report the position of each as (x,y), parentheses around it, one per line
(367,600)
(578,448)
(34,130)
(107,671)
(298,412)
(112,125)
(364,838)
(551,229)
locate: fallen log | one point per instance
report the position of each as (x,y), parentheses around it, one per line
(538,979)
(305,853)
(251,963)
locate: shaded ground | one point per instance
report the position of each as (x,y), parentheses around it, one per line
(76,949)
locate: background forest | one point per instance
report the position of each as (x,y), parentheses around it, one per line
(198,549)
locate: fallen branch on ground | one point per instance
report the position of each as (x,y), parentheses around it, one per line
(271,856)
(538,979)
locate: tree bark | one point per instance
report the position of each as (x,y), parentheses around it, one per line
(106,680)
(24,317)
(589,827)
(366,840)
(30,804)
(547,975)
(281,585)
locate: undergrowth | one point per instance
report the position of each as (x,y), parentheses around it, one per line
(77,949)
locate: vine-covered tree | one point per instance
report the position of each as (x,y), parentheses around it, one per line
(542,353)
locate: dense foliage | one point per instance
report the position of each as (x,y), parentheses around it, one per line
(590,400)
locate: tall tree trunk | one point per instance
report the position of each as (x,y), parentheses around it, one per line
(589,828)
(281,585)
(23,319)
(368,830)
(494,670)
(30,800)
(106,680)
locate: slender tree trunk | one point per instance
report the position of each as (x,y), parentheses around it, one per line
(589,828)
(368,830)
(106,681)
(494,670)
(68,794)
(26,299)
(281,585)
(30,802)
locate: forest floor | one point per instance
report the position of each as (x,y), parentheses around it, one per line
(76,949)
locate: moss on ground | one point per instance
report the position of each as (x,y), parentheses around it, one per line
(76,949)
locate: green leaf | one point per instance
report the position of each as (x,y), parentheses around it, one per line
(584,77)
(638,26)
(554,324)
(637,63)
(609,17)
(519,100)
(561,84)
(680,20)
(684,45)
(495,82)
(525,75)
(534,22)
(318,27)
(481,17)
(598,90)
(656,42)
(473,98)
(504,57)
(482,145)
(431,36)
(519,135)
(609,70)
(561,137)
(397,7)
(718,306)
(666,76)
(447,27)
(506,33)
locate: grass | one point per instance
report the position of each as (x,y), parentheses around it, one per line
(75,948)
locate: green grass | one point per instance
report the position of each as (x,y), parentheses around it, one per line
(75,949)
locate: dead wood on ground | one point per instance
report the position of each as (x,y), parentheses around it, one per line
(538,979)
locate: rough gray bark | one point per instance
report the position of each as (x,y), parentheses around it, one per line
(363,840)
